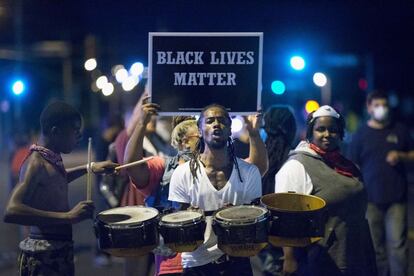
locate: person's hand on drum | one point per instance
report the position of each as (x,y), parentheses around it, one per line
(104,167)
(82,211)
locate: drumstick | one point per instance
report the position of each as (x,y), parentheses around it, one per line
(134,163)
(89,172)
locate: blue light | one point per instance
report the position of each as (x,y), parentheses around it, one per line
(297,63)
(18,87)
(278,87)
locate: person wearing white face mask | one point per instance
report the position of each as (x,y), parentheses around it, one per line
(379,147)
(380,113)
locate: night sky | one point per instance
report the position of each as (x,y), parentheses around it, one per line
(382,31)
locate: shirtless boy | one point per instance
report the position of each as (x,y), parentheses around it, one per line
(40,199)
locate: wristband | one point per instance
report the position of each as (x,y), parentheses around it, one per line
(89,167)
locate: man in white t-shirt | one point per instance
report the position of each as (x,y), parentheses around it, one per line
(214,178)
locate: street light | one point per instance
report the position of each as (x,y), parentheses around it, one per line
(101,81)
(323,81)
(136,69)
(90,64)
(319,79)
(298,63)
(18,87)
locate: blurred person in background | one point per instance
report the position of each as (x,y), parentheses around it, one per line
(113,125)
(280,130)
(380,147)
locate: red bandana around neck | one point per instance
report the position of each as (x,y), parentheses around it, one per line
(53,158)
(336,160)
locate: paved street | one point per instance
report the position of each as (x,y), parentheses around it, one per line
(83,232)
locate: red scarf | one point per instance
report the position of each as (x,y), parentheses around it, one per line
(53,158)
(337,161)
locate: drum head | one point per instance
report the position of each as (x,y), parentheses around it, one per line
(241,214)
(127,215)
(181,217)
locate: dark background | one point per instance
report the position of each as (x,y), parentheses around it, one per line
(377,34)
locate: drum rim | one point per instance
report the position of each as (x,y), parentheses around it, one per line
(129,223)
(181,223)
(293,211)
(248,221)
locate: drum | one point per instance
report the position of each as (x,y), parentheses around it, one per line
(297,220)
(127,231)
(241,230)
(183,231)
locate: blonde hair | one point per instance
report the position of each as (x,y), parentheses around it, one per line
(180,132)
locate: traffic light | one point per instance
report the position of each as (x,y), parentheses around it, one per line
(278,87)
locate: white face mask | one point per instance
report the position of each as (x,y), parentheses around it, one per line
(380,113)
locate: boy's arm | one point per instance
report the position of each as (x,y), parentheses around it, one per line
(106,167)
(75,172)
(20,213)
(258,152)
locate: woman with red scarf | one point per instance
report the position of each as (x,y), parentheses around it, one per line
(316,167)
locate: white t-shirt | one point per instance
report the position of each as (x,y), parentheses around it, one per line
(200,192)
(292,177)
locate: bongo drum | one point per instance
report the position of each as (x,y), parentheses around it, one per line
(127,231)
(297,220)
(241,230)
(183,231)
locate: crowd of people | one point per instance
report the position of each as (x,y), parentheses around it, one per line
(365,188)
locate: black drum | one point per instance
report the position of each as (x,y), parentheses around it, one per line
(127,231)
(297,220)
(183,231)
(242,231)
